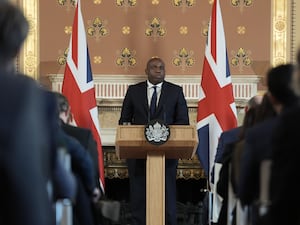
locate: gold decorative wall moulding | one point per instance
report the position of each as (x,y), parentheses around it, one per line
(241,4)
(97,28)
(126,30)
(183,59)
(29,56)
(279,21)
(184,4)
(69,4)
(241,30)
(279,49)
(97,2)
(126,4)
(117,168)
(126,58)
(241,58)
(155,28)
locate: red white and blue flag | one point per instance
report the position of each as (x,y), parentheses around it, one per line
(216,106)
(78,86)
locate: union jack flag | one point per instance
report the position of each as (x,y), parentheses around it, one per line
(216,106)
(78,86)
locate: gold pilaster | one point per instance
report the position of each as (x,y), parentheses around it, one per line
(29,56)
(280,46)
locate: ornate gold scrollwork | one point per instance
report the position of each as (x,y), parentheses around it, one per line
(241,58)
(126,58)
(183,59)
(155,29)
(126,3)
(97,29)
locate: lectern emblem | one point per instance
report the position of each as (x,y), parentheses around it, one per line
(157,132)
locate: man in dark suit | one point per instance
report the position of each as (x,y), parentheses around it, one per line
(172,109)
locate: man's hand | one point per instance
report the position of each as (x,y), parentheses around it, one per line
(96,195)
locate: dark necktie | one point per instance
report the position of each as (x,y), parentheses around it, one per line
(153,103)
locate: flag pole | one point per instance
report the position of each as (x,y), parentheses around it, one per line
(216,106)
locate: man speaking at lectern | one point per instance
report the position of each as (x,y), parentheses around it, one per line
(154,98)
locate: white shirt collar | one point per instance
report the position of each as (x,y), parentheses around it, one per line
(150,85)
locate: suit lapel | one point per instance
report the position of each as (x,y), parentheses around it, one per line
(162,97)
(144,96)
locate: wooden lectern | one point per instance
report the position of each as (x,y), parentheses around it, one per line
(131,143)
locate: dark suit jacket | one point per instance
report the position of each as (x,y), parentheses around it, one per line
(172,109)
(258,146)
(81,161)
(224,152)
(24,160)
(85,137)
(284,181)
(226,137)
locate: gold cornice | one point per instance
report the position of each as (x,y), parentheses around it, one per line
(29,56)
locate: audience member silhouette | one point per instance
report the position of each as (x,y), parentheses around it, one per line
(82,167)
(24,158)
(284,184)
(226,175)
(83,135)
(223,154)
(61,177)
(258,140)
(262,112)
(85,200)
(233,135)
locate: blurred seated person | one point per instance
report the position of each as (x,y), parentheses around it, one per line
(62,178)
(83,135)
(81,165)
(259,142)
(226,174)
(30,171)
(284,178)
